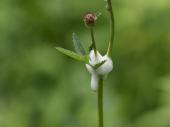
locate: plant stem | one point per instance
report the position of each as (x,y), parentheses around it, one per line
(110,10)
(100,102)
(93,40)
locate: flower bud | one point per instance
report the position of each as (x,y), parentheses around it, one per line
(90,19)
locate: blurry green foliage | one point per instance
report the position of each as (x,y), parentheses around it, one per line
(40,87)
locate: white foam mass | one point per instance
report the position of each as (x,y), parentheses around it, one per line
(94,82)
(103,70)
(94,59)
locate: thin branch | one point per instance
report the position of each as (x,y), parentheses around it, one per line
(100,102)
(93,40)
(110,10)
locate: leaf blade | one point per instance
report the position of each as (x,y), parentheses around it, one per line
(99,64)
(78,45)
(72,54)
(96,66)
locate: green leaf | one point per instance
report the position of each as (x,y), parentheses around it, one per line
(78,45)
(99,64)
(73,54)
(96,66)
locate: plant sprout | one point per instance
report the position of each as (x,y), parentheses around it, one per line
(97,65)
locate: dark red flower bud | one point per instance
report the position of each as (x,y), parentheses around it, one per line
(90,19)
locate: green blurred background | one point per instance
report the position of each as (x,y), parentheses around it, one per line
(39,87)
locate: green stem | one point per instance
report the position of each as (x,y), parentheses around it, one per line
(93,40)
(110,10)
(100,102)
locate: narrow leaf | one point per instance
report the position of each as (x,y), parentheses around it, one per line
(78,45)
(73,54)
(99,64)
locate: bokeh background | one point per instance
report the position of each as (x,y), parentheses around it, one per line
(39,87)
